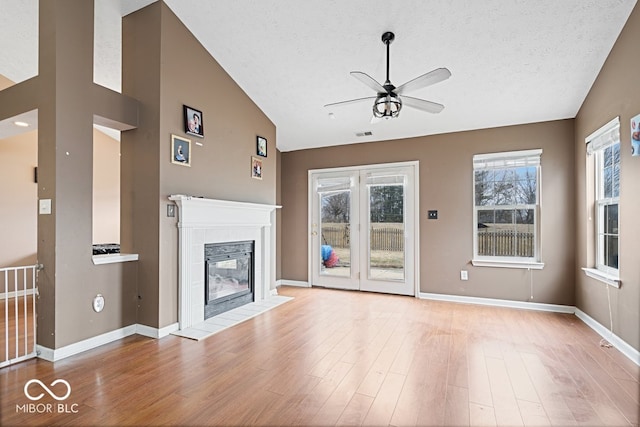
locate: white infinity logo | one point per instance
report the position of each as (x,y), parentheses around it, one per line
(52,394)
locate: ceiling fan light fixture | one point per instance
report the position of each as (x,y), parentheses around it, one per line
(387,106)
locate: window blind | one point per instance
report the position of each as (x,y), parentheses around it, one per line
(608,134)
(328,185)
(509,159)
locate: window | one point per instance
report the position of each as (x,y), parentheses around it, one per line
(507,209)
(604,145)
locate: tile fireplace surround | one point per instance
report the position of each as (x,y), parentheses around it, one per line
(202,221)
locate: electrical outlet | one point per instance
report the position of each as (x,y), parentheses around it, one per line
(98,303)
(464,275)
(432,214)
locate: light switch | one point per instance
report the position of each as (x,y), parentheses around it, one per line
(45,207)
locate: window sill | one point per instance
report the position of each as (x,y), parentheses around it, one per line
(609,279)
(508,264)
(113,258)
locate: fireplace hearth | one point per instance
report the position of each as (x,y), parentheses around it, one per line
(229,276)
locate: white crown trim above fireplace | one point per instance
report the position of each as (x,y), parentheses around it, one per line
(202,221)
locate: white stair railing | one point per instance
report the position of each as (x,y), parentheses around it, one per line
(18,293)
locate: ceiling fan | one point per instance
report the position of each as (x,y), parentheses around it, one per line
(388,103)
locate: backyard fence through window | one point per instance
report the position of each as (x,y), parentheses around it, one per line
(506,243)
(382,238)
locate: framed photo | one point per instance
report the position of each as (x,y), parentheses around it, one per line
(256,168)
(193,123)
(261,146)
(180,150)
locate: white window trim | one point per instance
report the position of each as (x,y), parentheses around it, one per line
(599,206)
(605,136)
(494,160)
(608,278)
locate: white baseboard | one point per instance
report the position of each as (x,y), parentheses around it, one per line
(13,294)
(150,332)
(616,341)
(556,308)
(297,283)
(53,355)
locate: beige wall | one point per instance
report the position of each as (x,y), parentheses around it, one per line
(165,67)
(616,92)
(446,244)
(106,188)
(18,191)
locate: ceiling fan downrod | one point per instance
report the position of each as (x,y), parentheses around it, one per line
(387,39)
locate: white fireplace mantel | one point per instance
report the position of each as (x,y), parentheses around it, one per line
(202,221)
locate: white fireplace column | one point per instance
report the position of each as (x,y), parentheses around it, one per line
(202,221)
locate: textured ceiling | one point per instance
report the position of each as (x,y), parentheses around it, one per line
(512,61)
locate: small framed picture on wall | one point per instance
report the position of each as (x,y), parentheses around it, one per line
(256,168)
(261,146)
(180,150)
(193,122)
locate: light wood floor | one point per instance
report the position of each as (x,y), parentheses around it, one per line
(347,358)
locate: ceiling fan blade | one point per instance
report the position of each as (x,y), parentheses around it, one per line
(432,77)
(351,101)
(369,81)
(422,104)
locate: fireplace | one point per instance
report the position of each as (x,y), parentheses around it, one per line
(229,276)
(208,221)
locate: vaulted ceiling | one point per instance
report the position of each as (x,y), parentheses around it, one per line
(512,61)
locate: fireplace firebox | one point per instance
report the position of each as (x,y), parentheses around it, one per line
(229,276)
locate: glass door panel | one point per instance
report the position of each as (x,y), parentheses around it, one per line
(335,197)
(386,257)
(335,233)
(387,207)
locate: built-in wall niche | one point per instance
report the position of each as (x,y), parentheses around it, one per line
(106,189)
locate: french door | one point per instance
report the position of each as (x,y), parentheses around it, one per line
(362,228)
